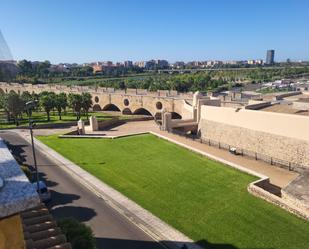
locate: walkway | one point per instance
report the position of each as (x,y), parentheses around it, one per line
(278,176)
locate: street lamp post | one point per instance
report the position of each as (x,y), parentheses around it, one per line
(30,105)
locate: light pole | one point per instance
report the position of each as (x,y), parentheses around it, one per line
(29,106)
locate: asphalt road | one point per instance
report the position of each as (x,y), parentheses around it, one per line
(70,199)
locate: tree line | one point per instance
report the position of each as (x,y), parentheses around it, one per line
(198,81)
(15,105)
(42,72)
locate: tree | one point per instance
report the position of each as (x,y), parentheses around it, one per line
(14,106)
(86,102)
(3,104)
(61,103)
(25,68)
(75,102)
(78,234)
(26,97)
(47,101)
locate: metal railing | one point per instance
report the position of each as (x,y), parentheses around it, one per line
(291,166)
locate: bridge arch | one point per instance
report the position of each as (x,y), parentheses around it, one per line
(127,111)
(96,107)
(111,107)
(176,115)
(2,91)
(142,111)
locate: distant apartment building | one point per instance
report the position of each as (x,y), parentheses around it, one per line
(196,63)
(128,64)
(97,68)
(119,64)
(107,64)
(213,63)
(232,62)
(254,62)
(178,65)
(150,64)
(270,57)
(140,64)
(162,64)
(157,64)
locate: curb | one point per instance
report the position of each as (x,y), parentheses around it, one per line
(157,229)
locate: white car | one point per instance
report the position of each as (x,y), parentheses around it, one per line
(44,192)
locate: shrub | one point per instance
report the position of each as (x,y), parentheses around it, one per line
(78,234)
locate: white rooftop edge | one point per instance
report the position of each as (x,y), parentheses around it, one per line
(17,194)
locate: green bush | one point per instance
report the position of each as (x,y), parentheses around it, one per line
(78,234)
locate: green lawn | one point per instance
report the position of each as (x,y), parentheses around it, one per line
(41,118)
(204,199)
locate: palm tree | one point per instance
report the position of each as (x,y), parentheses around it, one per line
(86,102)
(47,101)
(75,102)
(61,103)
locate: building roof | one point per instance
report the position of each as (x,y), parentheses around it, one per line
(17,193)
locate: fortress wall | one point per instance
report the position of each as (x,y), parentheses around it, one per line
(281,136)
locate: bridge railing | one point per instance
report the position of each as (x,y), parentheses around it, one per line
(95,89)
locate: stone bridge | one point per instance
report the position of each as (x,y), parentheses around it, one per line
(130,101)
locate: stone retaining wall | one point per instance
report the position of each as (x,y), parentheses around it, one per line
(275,136)
(285,203)
(279,147)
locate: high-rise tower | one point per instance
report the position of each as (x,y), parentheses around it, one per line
(270,56)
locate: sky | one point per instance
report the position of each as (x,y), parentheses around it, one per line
(175,30)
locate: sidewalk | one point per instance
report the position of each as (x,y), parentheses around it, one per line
(278,176)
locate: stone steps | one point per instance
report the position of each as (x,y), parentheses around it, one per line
(41,231)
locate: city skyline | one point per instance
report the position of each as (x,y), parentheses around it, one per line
(136,30)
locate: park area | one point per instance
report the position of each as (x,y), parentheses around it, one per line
(68,117)
(39,117)
(204,199)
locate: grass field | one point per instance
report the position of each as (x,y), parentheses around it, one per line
(41,118)
(204,199)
